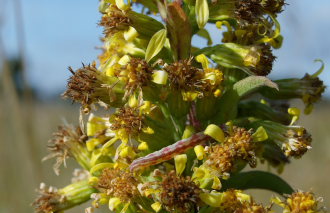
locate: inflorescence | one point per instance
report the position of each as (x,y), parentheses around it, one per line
(181,123)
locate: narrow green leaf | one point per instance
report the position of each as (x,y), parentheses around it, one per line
(202,13)
(252,83)
(257,180)
(156,44)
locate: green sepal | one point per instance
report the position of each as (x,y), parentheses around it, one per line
(257,180)
(263,111)
(144,25)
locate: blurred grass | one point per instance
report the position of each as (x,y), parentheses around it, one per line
(19,181)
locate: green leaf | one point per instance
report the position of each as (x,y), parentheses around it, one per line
(257,180)
(156,44)
(202,13)
(252,83)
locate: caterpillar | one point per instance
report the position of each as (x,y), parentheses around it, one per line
(168,152)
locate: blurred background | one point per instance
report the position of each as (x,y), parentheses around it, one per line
(39,39)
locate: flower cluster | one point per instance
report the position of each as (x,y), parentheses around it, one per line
(181,123)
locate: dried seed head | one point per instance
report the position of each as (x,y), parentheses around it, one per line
(64,144)
(265,65)
(127,120)
(119,183)
(249,11)
(139,74)
(86,86)
(183,76)
(178,193)
(302,202)
(273,6)
(312,89)
(48,200)
(238,145)
(114,20)
(193,81)
(298,141)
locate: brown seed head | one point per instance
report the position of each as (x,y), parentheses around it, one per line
(119,183)
(265,65)
(249,11)
(238,145)
(179,194)
(85,87)
(139,74)
(303,202)
(48,200)
(297,143)
(312,89)
(127,119)
(114,20)
(63,144)
(273,6)
(183,76)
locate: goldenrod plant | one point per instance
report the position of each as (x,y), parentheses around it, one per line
(182,123)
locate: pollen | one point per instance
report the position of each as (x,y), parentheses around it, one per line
(302,202)
(119,183)
(234,201)
(179,194)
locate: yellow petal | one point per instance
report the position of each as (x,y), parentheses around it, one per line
(121,5)
(143,146)
(160,77)
(114,203)
(216,183)
(156,206)
(260,135)
(296,114)
(199,151)
(92,143)
(203,60)
(180,163)
(124,60)
(130,34)
(213,199)
(215,132)
(188,132)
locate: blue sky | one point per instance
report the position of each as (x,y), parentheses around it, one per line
(64,33)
